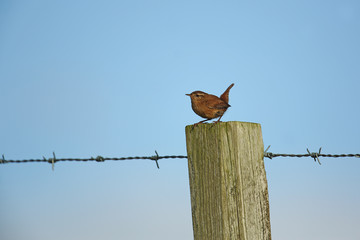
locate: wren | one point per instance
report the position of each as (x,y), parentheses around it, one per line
(209,106)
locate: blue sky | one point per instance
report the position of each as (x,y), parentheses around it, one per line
(88,78)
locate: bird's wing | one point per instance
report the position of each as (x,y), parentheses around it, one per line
(214,102)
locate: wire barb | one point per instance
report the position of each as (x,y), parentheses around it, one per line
(315,155)
(99,159)
(156,158)
(52,161)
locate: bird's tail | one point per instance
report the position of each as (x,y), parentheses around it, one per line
(225,95)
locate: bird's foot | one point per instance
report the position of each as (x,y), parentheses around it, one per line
(195,124)
(214,123)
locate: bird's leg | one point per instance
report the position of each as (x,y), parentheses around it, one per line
(199,123)
(218,119)
(215,122)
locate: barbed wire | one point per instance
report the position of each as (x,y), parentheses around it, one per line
(270,155)
(314,155)
(53,160)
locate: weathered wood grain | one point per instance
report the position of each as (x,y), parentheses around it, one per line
(229,194)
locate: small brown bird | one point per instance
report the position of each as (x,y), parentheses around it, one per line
(209,106)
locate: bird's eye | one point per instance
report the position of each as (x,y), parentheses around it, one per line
(197,95)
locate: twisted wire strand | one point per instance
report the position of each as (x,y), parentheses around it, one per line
(273,155)
(97,159)
(270,155)
(101,159)
(314,155)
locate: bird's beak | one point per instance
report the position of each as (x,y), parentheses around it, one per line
(188,94)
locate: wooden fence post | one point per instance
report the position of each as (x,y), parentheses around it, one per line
(229,193)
